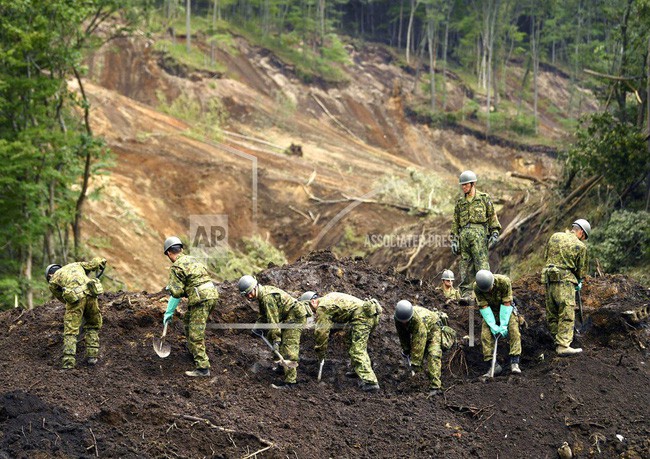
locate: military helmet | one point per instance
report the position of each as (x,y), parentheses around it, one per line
(246,284)
(448,274)
(51,269)
(403,311)
(467,177)
(308,296)
(584,226)
(484,280)
(171,242)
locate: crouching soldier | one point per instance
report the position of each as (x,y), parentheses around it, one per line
(362,316)
(71,285)
(278,307)
(494,297)
(420,335)
(447,286)
(189,278)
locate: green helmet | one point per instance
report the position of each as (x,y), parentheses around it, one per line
(171,242)
(51,269)
(403,311)
(246,284)
(467,177)
(448,274)
(484,280)
(584,226)
(308,296)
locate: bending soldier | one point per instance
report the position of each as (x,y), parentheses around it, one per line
(71,285)
(475,229)
(189,278)
(278,307)
(362,316)
(566,267)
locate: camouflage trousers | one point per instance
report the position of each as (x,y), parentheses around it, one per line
(434,362)
(473,256)
(195,320)
(361,328)
(514,337)
(290,347)
(560,311)
(84,312)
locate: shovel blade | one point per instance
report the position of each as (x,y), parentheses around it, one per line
(162,348)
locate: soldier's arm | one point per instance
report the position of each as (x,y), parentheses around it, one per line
(506,297)
(57,292)
(454,222)
(94,264)
(322,334)
(418,343)
(273,315)
(404,337)
(581,264)
(176,282)
(493,221)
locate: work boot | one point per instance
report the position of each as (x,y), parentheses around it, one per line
(514,364)
(283,385)
(198,373)
(91,360)
(565,351)
(435,392)
(369,386)
(351,374)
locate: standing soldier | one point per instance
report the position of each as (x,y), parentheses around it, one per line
(278,307)
(566,267)
(475,229)
(419,332)
(71,285)
(188,277)
(494,297)
(447,286)
(362,316)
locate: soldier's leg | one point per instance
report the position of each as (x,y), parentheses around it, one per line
(71,324)
(551,308)
(290,350)
(196,334)
(487,342)
(479,252)
(465,268)
(359,351)
(515,336)
(566,313)
(434,364)
(92,324)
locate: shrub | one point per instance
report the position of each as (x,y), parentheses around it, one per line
(623,242)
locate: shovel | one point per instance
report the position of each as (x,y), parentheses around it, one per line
(284,363)
(162,348)
(407,359)
(320,369)
(494,356)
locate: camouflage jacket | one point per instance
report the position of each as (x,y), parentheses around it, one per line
(478,210)
(189,277)
(74,276)
(501,293)
(413,336)
(277,306)
(450,293)
(339,308)
(567,253)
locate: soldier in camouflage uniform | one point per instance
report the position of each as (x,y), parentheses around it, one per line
(362,316)
(189,278)
(494,298)
(278,307)
(566,266)
(71,285)
(475,229)
(447,286)
(420,335)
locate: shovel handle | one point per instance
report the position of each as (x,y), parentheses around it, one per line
(494,356)
(164,330)
(320,369)
(283,362)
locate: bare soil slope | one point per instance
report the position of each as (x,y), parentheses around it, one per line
(133,404)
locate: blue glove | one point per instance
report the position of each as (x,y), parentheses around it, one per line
(579,286)
(488,317)
(171,308)
(504,319)
(454,247)
(492,240)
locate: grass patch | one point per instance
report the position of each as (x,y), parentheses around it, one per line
(419,191)
(205,118)
(195,59)
(256,254)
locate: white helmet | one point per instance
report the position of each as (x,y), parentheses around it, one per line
(308,296)
(467,177)
(170,242)
(448,274)
(584,226)
(246,284)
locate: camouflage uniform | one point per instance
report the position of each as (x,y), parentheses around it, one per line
(70,286)
(501,293)
(277,306)
(363,317)
(474,221)
(450,293)
(566,264)
(421,336)
(188,277)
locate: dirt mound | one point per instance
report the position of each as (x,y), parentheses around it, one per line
(134,404)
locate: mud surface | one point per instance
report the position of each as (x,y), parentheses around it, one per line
(134,404)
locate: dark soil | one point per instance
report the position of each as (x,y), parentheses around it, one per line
(134,404)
